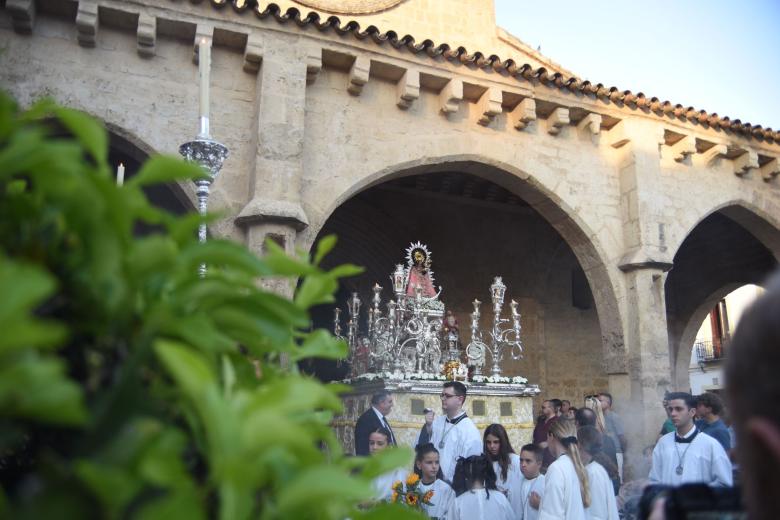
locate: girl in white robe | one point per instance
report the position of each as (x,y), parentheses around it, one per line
(427,466)
(603,505)
(477,496)
(566,490)
(506,465)
(378,440)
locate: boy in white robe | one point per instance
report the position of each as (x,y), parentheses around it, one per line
(454,434)
(531,488)
(686,455)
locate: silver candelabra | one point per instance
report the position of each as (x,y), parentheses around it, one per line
(210,155)
(501,339)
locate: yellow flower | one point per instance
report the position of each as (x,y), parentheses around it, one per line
(427,496)
(412,479)
(411,499)
(397,485)
(394,496)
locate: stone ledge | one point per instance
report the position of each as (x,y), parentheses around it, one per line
(267,210)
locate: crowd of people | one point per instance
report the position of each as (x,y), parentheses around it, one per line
(573,469)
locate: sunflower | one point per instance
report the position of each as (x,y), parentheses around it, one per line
(394,497)
(411,499)
(412,479)
(397,486)
(427,496)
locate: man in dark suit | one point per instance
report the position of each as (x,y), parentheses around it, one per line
(372,419)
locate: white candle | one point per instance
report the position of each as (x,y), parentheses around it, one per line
(204,70)
(120,174)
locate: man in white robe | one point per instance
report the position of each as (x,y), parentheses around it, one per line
(686,455)
(454,434)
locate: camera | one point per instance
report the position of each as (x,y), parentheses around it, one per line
(693,501)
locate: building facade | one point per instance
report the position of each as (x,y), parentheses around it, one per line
(616,219)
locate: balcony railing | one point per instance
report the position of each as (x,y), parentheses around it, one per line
(707,351)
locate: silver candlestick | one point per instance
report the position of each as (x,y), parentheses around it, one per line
(210,155)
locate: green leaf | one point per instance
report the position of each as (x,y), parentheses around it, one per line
(37,388)
(314,290)
(113,486)
(321,344)
(190,369)
(318,485)
(324,246)
(8,110)
(88,130)
(23,288)
(162,168)
(387,460)
(180,504)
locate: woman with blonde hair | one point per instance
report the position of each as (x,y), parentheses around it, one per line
(566,487)
(594,404)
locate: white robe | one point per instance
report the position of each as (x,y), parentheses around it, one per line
(705,461)
(562,498)
(511,486)
(460,440)
(441,501)
(478,505)
(603,505)
(526,487)
(383,484)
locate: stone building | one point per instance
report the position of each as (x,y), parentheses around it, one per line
(616,219)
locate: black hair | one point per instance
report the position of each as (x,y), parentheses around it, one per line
(382,431)
(689,400)
(557,403)
(607,395)
(420,452)
(458,387)
(712,401)
(585,417)
(499,432)
(535,449)
(471,470)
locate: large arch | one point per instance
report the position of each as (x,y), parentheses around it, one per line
(565,220)
(732,246)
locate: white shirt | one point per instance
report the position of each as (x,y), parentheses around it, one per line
(511,486)
(603,505)
(383,484)
(478,505)
(702,460)
(460,440)
(526,487)
(441,501)
(562,497)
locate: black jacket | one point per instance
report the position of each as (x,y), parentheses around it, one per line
(366,423)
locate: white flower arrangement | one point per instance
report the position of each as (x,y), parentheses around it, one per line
(517,380)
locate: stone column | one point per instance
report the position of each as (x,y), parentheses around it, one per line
(274,208)
(644,263)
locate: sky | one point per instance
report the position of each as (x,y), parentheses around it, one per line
(719,55)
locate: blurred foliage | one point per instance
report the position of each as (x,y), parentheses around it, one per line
(129,386)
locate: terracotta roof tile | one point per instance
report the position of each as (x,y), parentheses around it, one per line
(480,60)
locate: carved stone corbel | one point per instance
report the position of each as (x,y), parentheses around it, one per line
(358,75)
(87,23)
(451,96)
(253,52)
(591,123)
(523,113)
(557,120)
(22,15)
(683,148)
(313,64)
(770,170)
(745,163)
(146,34)
(712,154)
(408,88)
(489,105)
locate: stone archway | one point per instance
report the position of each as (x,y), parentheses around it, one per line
(581,250)
(730,247)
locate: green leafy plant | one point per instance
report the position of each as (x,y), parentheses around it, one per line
(129,386)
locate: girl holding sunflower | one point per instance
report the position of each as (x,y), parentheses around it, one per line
(437,495)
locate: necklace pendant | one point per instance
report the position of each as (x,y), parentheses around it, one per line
(679,470)
(441,445)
